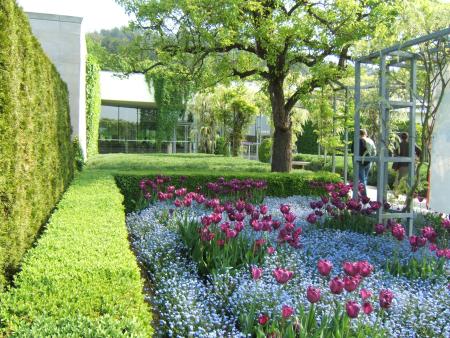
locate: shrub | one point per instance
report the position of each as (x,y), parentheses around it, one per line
(280,185)
(78,155)
(93,104)
(265,150)
(307,141)
(36,157)
(81,280)
(222,147)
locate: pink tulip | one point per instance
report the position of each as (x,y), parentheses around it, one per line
(263,209)
(289,227)
(352,309)
(206,221)
(284,208)
(312,218)
(240,205)
(231,233)
(398,231)
(187,202)
(263,319)
(364,268)
(365,294)
(379,229)
(177,203)
(421,241)
(446,223)
(324,266)
(171,189)
(220,242)
(270,250)
(256,272)
(429,233)
(147,196)
(350,268)
(367,308)
(336,286)
(260,242)
(216,218)
(313,294)
(239,226)
(324,199)
(276,224)
(225,226)
(350,283)
(385,298)
(287,311)
(289,217)
(282,276)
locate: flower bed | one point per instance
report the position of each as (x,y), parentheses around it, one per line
(235,269)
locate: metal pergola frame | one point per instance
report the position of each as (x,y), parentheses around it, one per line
(396,56)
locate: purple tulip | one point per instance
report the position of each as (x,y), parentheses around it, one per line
(313,294)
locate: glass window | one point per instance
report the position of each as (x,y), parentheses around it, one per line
(108,128)
(147,124)
(127,123)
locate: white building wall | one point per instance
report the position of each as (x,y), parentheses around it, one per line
(126,90)
(63,39)
(440,154)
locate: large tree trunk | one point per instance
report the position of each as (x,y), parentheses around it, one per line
(282,138)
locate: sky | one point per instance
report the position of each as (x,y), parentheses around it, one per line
(97,14)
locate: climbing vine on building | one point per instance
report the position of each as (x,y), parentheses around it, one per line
(171,95)
(93,104)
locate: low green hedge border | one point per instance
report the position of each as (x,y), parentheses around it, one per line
(81,279)
(279,185)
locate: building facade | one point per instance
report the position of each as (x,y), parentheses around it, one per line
(63,40)
(128,121)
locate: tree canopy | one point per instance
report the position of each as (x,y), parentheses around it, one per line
(304,42)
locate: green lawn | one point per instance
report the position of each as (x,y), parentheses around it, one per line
(164,163)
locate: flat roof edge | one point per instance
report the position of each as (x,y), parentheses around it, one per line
(54,17)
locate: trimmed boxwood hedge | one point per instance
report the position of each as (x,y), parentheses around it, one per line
(82,279)
(36,156)
(280,185)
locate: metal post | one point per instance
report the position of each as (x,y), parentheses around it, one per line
(387,131)
(174,141)
(412,138)
(381,141)
(333,155)
(357,128)
(346,138)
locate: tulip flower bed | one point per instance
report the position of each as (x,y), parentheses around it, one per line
(233,268)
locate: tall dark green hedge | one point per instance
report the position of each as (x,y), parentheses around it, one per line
(307,142)
(93,104)
(36,157)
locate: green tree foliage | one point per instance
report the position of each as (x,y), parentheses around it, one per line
(225,110)
(268,40)
(36,157)
(242,112)
(116,49)
(93,104)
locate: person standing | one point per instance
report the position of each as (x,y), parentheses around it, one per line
(403,151)
(367,148)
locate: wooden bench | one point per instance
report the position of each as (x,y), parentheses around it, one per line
(299,164)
